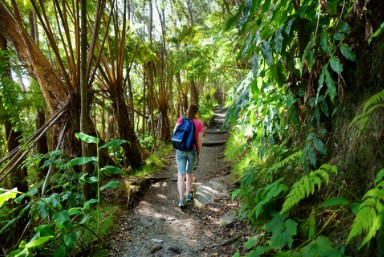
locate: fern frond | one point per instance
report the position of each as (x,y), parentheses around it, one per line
(285,161)
(370,216)
(306,186)
(374,100)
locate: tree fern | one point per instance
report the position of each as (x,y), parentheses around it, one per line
(307,185)
(370,216)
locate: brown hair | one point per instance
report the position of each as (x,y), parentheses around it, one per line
(192,111)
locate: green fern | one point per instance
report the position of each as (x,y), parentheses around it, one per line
(370,215)
(374,102)
(286,161)
(306,186)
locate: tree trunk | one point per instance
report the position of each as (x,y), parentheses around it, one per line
(132,148)
(12,135)
(54,91)
(194,92)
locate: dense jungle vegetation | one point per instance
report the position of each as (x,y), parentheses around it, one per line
(90,91)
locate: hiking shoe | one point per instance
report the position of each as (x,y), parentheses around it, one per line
(188,197)
(181,203)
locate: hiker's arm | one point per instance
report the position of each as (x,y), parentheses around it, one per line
(200,143)
(174,129)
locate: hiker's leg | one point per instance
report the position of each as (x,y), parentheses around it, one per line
(189,183)
(181,160)
(180,185)
(192,157)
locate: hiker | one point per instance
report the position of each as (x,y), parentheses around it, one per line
(186,160)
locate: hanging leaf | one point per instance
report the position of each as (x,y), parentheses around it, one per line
(110,184)
(347,52)
(333,201)
(278,41)
(324,43)
(70,239)
(255,65)
(87,138)
(320,147)
(61,219)
(330,85)
(39,241)
(336,65)
(114,143)
(9,194)
(267,52)
(266,5)
(111,170)
(82,160)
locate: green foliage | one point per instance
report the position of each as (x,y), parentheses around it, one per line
(374,102)
(370,215)
(306,186)
(282,230)
(320,247)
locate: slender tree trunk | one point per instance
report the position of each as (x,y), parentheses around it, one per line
(12,135)
(132,149)
(194,92)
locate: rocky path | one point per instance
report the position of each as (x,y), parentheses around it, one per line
(156,226)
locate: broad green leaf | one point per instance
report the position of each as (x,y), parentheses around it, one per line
(110,184)
(61,219)
(266,5)
(75,211)
(278,41)
(91,180)
(114,143)
(87,138)
(39,241)
(321,247)
(6,195)
(284,235)
(320,147)
(255,65)
(42,209)
(312,156)
(336,65)
(45,230)
(347,52)
(343,27)
(87,204)
(267,52)
(324,43)
(332,201)
(82,160)
(251,243)
(111,170)
(70,239)
(235,193)
(330,85)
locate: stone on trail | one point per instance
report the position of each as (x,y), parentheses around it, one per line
(207,193)
(228,218)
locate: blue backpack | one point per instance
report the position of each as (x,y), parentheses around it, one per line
(184,137)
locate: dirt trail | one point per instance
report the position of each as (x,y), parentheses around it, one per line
(156,226)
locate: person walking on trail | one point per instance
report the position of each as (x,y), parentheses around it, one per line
(186,160)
